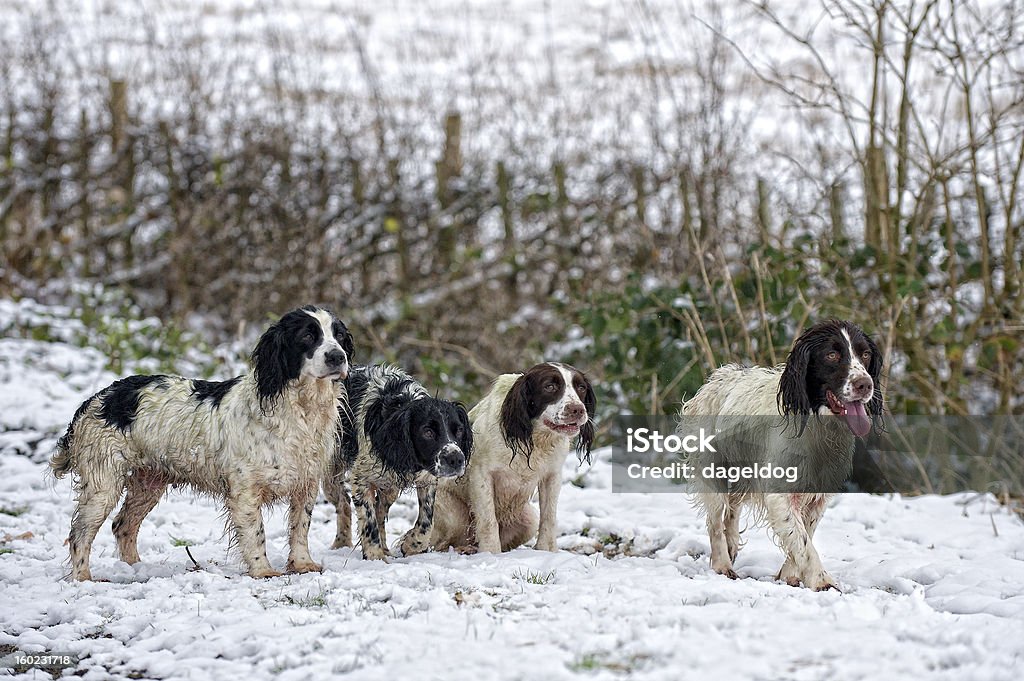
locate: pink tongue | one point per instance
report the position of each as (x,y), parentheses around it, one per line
(857,418)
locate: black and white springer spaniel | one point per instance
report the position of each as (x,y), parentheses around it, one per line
(523,430)
(395,436)
(826,394)
(252,440)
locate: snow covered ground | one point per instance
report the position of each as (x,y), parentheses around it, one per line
(933,587)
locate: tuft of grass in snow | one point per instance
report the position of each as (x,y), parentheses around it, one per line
(533,577)
(593,662)
(14,510)
(4,550)
(318,600)
(179,542)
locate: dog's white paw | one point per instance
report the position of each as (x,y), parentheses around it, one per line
(374,553)
(413,543)
(821,581)
(300,567)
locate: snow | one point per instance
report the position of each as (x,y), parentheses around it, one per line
(933,587)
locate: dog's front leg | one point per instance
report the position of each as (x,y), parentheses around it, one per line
(363,498)
(382,506)
(247,524)
(300,510)
(547,492)
(786,516)
(417,539)
(481,501)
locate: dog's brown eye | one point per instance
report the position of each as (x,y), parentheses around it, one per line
(832,356)
(428,433)
(581,389)
(549,388)
(307,337)
(866,355)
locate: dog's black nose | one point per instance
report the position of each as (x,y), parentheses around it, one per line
(863,386)
(451,462)
(334,358)
(574,412)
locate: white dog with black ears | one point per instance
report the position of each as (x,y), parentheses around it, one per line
(804,414)
(255,439)
(522,431)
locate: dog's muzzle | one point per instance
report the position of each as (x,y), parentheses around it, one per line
(451,462)
(337,363)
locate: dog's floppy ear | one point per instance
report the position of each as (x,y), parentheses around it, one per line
(516,424)
(792,397)
(275,363)
(875,370)
(391,437)
(588,431)
(466,441)
(347,345)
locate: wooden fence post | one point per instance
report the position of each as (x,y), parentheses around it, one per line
(84,183)
(835,210)
(448,168)
(508,226)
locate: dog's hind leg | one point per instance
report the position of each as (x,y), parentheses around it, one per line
(515,531)
(451,523)
(97,497)
(145,488)
(363,498)
(417,539)
(250,537)
(334,490)
(300,510)
(718,506)
(786,517)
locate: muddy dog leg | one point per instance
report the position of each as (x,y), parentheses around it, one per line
(247,525)
(334,490)
(717,507)
(732,529)
(300,510)
(145,490)
(417,539)
(786,517)
(364,500)
(811,514)
(95,502)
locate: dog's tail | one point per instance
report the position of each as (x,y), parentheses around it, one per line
(62,461)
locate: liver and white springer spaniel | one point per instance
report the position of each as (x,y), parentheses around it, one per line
(827,393)
(522,431)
